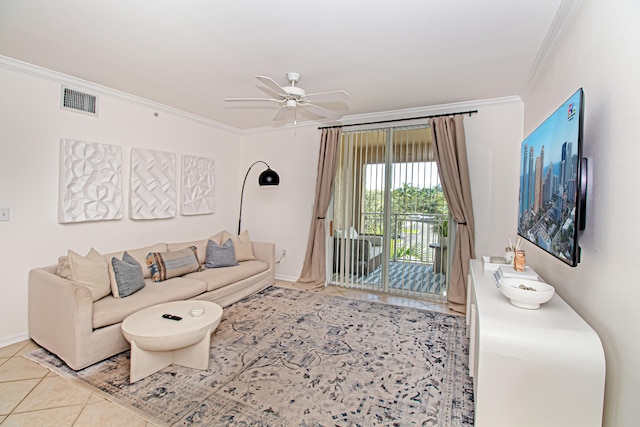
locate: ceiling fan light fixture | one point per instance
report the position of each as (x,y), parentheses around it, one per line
(291,103)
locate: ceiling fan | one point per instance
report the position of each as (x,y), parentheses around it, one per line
(291,97)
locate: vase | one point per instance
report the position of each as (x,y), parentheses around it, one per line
(509,255)
(519,262)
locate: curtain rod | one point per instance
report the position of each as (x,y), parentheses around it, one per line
(470,112)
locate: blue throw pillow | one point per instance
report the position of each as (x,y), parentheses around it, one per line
(128,275)
(220,256)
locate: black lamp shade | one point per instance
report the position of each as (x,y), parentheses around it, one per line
(269,177)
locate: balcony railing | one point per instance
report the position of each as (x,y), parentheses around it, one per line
(414,237)
(417,255)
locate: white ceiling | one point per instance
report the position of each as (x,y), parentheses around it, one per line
(191,54)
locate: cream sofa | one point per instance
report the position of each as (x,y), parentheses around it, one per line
(65,319)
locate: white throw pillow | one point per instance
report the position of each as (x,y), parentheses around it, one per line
(91,271)
(242,245)
(218,237)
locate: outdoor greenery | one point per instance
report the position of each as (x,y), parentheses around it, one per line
(443,228)
(411,203)
(400,251)
(408,199)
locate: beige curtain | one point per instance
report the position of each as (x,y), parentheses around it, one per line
(313,276)
(453,167)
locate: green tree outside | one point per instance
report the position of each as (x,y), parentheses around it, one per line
(407,201)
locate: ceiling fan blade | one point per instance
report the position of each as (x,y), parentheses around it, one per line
(271,84)
(281,115)
(336,95)
(321,111)
(252,99)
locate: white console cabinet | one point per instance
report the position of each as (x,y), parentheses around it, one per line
(535,368)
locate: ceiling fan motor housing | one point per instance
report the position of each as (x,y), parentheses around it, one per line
(295,92)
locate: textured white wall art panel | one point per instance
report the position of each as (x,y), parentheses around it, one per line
(197,185)
(90,186)
(153,184)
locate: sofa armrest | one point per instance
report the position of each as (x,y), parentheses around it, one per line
(60,313)
(266,252)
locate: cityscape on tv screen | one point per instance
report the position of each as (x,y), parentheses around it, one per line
(549,182)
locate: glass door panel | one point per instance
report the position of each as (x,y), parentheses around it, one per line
(389,214)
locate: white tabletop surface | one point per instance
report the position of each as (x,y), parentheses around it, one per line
(150,323)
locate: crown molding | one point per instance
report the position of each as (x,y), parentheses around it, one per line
(450,108)
(43,73)
(561,21)
(394,114)
(25,68)
(287,126)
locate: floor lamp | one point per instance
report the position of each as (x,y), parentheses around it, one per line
(267,177)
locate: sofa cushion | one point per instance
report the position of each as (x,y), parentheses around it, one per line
(165,265)
(127,277)
(218,277)
(220,255)
(110,310)
(201,246)
(90,270)
(242,245)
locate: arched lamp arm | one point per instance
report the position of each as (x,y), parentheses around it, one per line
(242,193)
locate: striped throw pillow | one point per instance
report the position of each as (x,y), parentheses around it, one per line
(165,265)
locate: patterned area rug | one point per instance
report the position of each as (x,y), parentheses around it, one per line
(285,357)
(410,277)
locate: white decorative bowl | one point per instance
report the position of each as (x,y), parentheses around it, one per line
(526,293)
(196,311)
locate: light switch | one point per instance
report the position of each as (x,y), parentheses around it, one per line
(4,214)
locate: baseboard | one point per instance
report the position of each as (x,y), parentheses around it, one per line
(5,341)
(286,278)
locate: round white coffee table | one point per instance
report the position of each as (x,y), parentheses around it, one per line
(157,342)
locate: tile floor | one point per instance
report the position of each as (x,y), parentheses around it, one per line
(31,395)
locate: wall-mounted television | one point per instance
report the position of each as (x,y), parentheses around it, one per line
(553,184)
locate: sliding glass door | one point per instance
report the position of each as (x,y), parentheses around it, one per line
(389,219)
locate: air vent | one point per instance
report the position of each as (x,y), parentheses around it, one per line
(81,102)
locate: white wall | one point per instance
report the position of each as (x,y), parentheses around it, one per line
(598,52)
(31,126)
(282,214)
(493,147)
